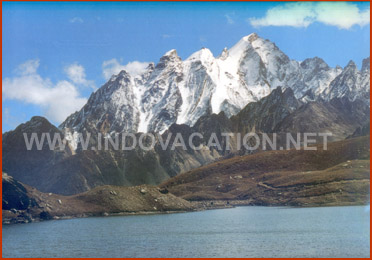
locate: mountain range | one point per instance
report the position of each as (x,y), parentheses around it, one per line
(251,87)
(176,91)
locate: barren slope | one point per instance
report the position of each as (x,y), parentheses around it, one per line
(337,176)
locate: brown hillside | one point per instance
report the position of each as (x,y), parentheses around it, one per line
(336,176)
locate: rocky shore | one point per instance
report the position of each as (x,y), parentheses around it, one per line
(23,204)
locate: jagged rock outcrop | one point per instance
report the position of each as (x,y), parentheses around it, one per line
(351,83)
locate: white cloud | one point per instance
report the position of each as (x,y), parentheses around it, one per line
(76,73)
(343,15)
(136,67)
(76,20)
(28,67)
(113,67)
(56,100)
(229,18)
(301,14)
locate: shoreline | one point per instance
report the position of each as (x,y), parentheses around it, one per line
(215,206)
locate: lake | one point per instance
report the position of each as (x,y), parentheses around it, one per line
(235,232)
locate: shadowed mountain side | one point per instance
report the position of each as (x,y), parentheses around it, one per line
(339,117)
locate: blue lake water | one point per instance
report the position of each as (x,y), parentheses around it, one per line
(236,232)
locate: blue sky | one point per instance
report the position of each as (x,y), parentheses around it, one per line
(56,54)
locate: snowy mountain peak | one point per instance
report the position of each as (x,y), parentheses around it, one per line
(251,37)
(123,74)
(350,83)
(240,47)
(177,91)
(171,53)
(315,62)
(351,66)
(202,54)
(366,64)
(151,66)
(224,54)
(168,58)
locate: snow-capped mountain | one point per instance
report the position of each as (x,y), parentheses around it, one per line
(69,172)
(177,91)
(351,82)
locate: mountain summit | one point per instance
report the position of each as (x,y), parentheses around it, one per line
(181,91)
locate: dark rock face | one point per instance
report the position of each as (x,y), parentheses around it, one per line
(361,131)
(316,64)
(262,116)
(366,65)
(45,215)
(15,195)
(31,166)
(339,117)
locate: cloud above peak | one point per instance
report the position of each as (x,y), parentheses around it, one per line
(343,15)
(76,73)
(113,67)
